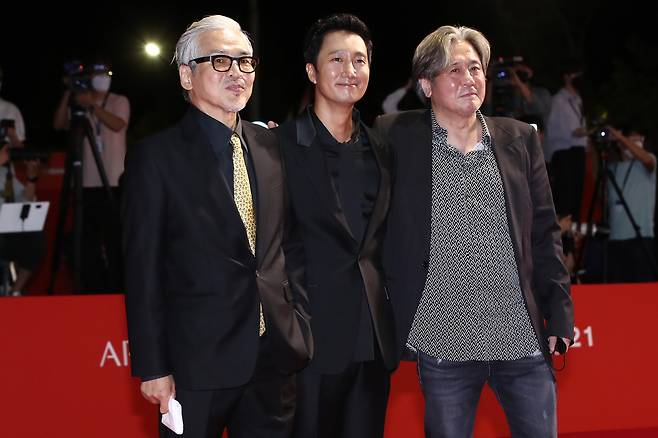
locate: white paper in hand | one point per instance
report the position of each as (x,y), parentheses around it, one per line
(174,418)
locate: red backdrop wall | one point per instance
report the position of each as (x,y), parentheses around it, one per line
(64,371)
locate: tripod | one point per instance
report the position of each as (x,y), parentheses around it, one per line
(79,130)
(605,174)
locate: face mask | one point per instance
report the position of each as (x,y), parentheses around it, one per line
(101,83)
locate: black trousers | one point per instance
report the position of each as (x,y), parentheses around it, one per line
(568,176)
(349,404)
(262,408)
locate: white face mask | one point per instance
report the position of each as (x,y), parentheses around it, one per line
(101,82)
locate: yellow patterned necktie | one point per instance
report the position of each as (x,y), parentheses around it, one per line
(245,203)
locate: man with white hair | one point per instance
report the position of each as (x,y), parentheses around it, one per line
(214,321)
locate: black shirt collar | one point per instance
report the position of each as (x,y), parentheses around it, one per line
(326,139)
(218,133)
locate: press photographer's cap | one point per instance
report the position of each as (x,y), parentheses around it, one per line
(73,67)
(100,67)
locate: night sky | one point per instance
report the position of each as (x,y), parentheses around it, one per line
(38,42)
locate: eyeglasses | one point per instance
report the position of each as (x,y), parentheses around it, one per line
(223,63)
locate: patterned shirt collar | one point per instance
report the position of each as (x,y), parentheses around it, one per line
(441,134)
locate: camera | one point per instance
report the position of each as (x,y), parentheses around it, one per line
(28,154)
(503,90)
(4,124)
(23,153)
(79,78)
(80,83)
(600,135)
(502,67)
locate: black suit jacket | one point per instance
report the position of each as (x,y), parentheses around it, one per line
(192,284)
(338,268)
(532,221)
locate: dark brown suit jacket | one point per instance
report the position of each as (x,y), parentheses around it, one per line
(192,284)
(532,221)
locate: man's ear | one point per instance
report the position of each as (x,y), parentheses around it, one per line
(185,75)
(426,87)
(310,72)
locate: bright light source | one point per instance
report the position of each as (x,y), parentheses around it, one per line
(152,49)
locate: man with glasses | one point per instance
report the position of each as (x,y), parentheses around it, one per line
(214,321)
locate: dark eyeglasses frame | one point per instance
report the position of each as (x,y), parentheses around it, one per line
(238,60)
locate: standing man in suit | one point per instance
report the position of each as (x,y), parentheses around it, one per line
(339,183)
(473,247)
(204,217)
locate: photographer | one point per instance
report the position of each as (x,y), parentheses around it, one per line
(512,93)
(87,95)
(634,170)
(566,142)
(25,249)
(11,120)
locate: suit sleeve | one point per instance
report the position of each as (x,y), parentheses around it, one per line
(143,218)
(293,249)
(550,277)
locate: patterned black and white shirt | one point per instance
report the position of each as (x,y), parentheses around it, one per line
(472,307)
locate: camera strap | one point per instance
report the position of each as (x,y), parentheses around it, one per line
(577,110)
(628,173)
(8,190)
(98,120)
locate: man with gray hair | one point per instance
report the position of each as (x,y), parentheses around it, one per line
(214,320)
(472,253)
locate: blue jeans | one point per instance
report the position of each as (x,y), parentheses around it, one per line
(524,387)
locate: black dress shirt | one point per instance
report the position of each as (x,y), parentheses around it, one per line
(354,176)
(219,136)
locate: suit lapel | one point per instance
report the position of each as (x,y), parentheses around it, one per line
(311,160)
(208,176)
(267,178)
(508,152)
(384,190)
(421,129)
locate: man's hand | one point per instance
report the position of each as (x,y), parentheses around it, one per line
(4,154)
(32,168)
(552,340)
(159,391)
(580,132)
(84,98)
